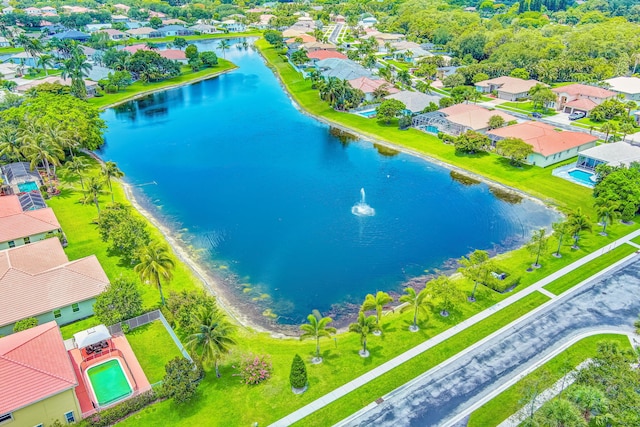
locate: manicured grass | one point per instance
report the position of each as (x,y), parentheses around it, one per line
(254,33)
(364,395)
(401,65)
(508,402)
(138,88)
(571,279)
(153,347)
(80,325)
(10,50)
(526,107)
(636,240)
(41,74)
(531,179)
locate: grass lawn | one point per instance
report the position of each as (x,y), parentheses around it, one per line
(80,325)
(567,281)
(41,74)
(508,402)
(587,123)
(139,87)
(254,33)
(153,347)
(401,65)
(526,107)
(636,240)
(10,50)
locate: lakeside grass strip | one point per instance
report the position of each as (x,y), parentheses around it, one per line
(139,88)
(508,403)
(361,397)
(533,180)
(636,240)
(153,348)
(571,279)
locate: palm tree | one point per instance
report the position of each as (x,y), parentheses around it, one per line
(376,303)
(607,213)
(474,268)
(316,329)
(94,188)
(213,339)
(151,45)
(38,149)
(76,68)
(538,244)
(404,77)
(363,326)
(10,147)
(608,128)
(55,134)
(627,128)
(155,264)
(110,170)
(45,61)
(415,301)
(78,165)
(578,222)
(223,46)
(560,229)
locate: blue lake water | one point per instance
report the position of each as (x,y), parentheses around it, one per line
(266,194)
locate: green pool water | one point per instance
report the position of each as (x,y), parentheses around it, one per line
(109,382)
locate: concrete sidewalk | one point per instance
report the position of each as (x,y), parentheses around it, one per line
(411,353)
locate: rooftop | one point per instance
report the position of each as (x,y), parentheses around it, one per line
(630,85)
(615,154)
(325,54)
(584,90)
(473,116)
(415,101)
(544,139)
(367,85)
(33,365)
(43,269)
(509,84)
(583,104)
(15,225)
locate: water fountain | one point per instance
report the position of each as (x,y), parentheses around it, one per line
(362,208)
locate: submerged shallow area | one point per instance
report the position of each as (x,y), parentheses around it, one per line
(272,199)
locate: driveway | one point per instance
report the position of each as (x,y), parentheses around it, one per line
(437,397)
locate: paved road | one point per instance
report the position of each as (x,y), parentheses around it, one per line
(438,396)
(333,38)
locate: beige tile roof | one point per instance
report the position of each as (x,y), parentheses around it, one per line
(34,365)
(584,90)
(9,205)
(57,282)
(22,224)
(509,84)
(473,116)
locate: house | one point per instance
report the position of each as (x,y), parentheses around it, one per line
(173,21)
(409,51)
(19,227)
(121,7)
(319,55)
(204,29)
(92,28)
(549,145)
(32,11)
(114,35)
(8,70)
(368,22)
(173,30)
(173,54)
(627,86)
(7,10)
(233,26)
(18,176)
(343,69)
(48,10)
(37,379)
(369,86)
(458,119)
(614,154)
(4,42)
(315,46)
(263,22)
(289,33)
(415,102)
(302,38)
(72,35)
(579,97)
(66,289)
(92,87)
(141,33)
(508,88)
(154,14)
(119,18)
(76,9)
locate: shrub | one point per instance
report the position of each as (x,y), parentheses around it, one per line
(181,380)
(254,369)
(298,376)
(24,324)
(114,414)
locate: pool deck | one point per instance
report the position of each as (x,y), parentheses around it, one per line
(135,374)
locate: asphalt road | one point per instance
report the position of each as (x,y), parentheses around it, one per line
(612,301)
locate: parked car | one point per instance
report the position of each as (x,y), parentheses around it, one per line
(536,115)
(576,116)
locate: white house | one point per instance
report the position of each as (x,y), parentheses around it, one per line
(627,86)
(233,26)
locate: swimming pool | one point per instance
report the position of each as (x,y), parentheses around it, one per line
(109,382)
(25,187)
(582,177)
(368,114)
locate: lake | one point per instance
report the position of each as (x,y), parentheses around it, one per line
(268,197)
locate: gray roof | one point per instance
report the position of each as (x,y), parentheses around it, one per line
(415,101)
(615,154)
(171,28)
(342,68)
(72,34)
(18,171)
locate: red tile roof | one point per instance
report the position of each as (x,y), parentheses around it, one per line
(16,225)
(584,90)
(582,104)
(306,38)
(43,269)
(173,54)
(544,139)
(473,116)
(33,366)
(324,54)
(368,85)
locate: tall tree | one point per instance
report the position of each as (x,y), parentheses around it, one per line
(376,303)
(560,229)
(110,170)
(38,149)
(415,301)
(94,189)
(223,46)
(446,291)
(578,222)
(589,399)
(607,213)
(45,61)
(317,328)
(78,165)
(515,149)
(538,244)
(10,146)
(76,68)
(156,264)
(213,337)
(475,267)
(364,326)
